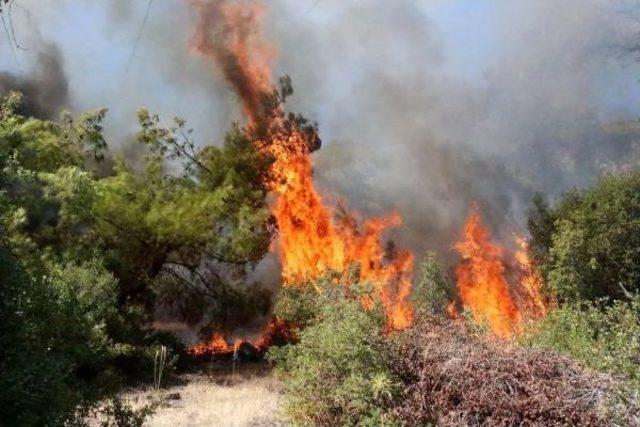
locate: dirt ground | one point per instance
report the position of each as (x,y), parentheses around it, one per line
(216,395)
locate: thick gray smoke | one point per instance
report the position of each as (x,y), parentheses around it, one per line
(411,134)
(406,126)
(45,91)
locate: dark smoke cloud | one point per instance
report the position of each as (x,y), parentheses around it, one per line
(45,91)
(230,37)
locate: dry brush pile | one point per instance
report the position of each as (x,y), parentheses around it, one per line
(452,376)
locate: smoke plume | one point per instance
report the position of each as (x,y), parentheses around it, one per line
(411,133)
(226,34)
(414,115)
(45,91)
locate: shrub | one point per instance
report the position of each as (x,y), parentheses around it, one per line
(453,377)
(602,336)
(35,382)
(431,290)
(120,414)
(56,355)
(588,245)
(337,373)
(299,305)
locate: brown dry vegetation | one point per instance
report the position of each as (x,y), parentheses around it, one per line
(218,396)
(453,377)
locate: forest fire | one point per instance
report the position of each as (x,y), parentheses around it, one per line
(314,238)
(481,281)
(532,299)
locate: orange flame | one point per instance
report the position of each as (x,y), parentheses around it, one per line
(216,345)
(481,281)
(311,240)
(226,35)
(275,332)
(483,287)
(530,282)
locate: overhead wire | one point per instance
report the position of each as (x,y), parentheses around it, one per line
(139,34)
(8,35)
(12,28)
(310,9)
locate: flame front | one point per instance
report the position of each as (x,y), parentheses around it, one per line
(218,344)
(481,281)
(313,238)
(530,282)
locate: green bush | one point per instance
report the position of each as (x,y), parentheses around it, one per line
(602,335)
(431,290)
(588,245)
(120,414)
(337,373)
(57,355)
(35,386)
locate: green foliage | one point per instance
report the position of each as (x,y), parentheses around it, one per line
(34,385)
(337,373)
(431,290)
(89,245)
(119,414)
(299,305)
(588,246)
(57,353)
(603,336)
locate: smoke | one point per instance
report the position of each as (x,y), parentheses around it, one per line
(228,35)
(419,112)
(45,90)
(411,133)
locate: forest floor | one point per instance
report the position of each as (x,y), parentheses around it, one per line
(218,394)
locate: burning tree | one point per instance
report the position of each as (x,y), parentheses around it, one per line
(313,237)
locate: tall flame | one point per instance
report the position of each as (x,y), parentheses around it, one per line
(227,35)
(481,281)
(313,241)
(314,237)
(530,282)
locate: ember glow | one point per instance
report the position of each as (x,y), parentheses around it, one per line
(275,332)
(314,237)
(481,281)
(217,344)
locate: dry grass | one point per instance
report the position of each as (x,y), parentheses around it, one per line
(453,377)
(249,397)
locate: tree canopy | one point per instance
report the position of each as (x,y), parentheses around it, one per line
(92,244)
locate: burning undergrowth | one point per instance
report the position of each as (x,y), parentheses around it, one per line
(244,346)
(500,290)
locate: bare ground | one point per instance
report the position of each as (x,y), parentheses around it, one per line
(217,395)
